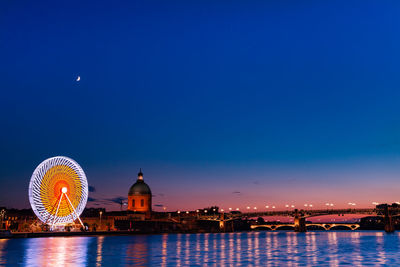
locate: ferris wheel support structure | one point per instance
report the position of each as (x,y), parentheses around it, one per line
(64,192)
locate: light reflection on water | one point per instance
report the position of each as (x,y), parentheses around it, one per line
(247,248)
(99,255)
(2,251)
(54,251)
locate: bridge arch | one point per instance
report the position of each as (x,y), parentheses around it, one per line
(285,227)
(263,228)
(313,226)
(310,226)
(340,227)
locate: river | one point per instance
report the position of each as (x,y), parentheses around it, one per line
(267,248)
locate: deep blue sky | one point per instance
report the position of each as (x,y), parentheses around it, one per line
(281,101)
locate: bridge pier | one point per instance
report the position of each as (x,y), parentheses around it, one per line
(225,225)
(222,222)
(389,226)
(299,222)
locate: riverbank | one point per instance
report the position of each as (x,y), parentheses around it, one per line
(68,234)
(12,235)
(17,235)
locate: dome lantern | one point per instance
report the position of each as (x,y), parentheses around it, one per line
(140,175)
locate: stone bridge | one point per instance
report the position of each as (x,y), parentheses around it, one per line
(300,224)
(325,226)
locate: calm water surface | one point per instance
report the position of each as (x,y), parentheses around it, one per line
(246,249)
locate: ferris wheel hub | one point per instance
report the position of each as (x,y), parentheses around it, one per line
(64,190)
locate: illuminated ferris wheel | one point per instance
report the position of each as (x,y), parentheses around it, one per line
(58,191)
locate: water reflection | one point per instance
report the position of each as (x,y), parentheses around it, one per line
(2,251)
(381,249)
(164,250)
(99,257)
(355,240)
(238,247)
(187,250)
(206,251)
(222,249)
(56,251)
(215,250)
(257,248)
(178,250)
(198,251)
(311,249)
(333,247)
(137,252)
(247,248)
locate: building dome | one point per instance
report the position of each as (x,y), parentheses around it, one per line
(139,188)
(139,196)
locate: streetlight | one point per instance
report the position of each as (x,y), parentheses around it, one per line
(351,204)
(292,206)
(101,213)
(273,207)
(267,207)
(248,207)
(230,209)
(237,208)
(255,208)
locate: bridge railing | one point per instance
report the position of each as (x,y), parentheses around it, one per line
(307,213)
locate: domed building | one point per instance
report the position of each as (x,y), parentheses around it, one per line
(139,196)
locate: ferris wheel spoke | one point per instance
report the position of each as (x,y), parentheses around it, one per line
(51,212)
(74,211)
(55,215)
